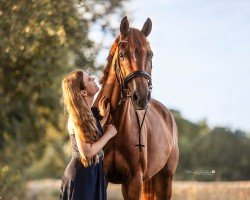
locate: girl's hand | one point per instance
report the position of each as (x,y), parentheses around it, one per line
(104,106)
(111,130)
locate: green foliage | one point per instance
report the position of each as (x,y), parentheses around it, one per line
(55,156)
(203,150)
(226,152)
(11,178)
(188,133)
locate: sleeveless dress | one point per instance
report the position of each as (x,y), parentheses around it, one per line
(84,183)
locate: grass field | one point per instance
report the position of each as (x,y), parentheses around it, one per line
(49,190)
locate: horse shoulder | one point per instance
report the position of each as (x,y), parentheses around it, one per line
(163,111)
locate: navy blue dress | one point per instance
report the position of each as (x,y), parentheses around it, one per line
(83,183)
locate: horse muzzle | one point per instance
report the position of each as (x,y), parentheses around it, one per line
(141,102)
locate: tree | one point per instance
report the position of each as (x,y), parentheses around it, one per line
(226,152)
(188,133)
(203,150)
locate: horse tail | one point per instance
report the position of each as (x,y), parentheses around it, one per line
(148,190)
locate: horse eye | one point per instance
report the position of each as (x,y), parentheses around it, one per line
(121,54)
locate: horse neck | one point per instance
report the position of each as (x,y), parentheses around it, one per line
(115,95)
(111,90)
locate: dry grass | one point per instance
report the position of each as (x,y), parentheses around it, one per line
(49,190)
(211,190)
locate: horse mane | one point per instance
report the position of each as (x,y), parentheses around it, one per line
(136,41)
(109,59)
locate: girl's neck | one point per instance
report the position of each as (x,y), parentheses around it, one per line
(89,100)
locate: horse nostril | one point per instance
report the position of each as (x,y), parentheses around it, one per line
(135,97)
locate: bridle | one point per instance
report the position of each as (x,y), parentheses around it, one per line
(123,81)
(126,94)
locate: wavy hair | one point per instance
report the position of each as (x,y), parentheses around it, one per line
(79,112)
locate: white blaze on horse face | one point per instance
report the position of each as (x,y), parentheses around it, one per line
(134,66)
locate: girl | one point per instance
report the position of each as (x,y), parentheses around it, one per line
(84,177)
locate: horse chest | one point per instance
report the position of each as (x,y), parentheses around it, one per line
(120,162)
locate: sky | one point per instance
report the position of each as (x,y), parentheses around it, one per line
(201,63)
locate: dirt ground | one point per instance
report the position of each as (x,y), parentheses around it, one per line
(49,190)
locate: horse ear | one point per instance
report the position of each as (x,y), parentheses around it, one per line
(124,27)
(147,27)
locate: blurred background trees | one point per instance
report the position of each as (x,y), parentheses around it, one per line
(41,41)
(203,150)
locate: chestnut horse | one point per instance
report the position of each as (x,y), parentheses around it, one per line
(144,154)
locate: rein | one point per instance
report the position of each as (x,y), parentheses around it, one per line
(125,93)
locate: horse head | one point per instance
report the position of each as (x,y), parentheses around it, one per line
(129,65)
(134,63)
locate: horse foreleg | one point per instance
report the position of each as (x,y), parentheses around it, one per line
(131,190)
(163,179)
(148,190)
(124,191)
(162,186)
(169,188)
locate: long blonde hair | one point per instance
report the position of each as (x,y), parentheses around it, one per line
(77,108)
